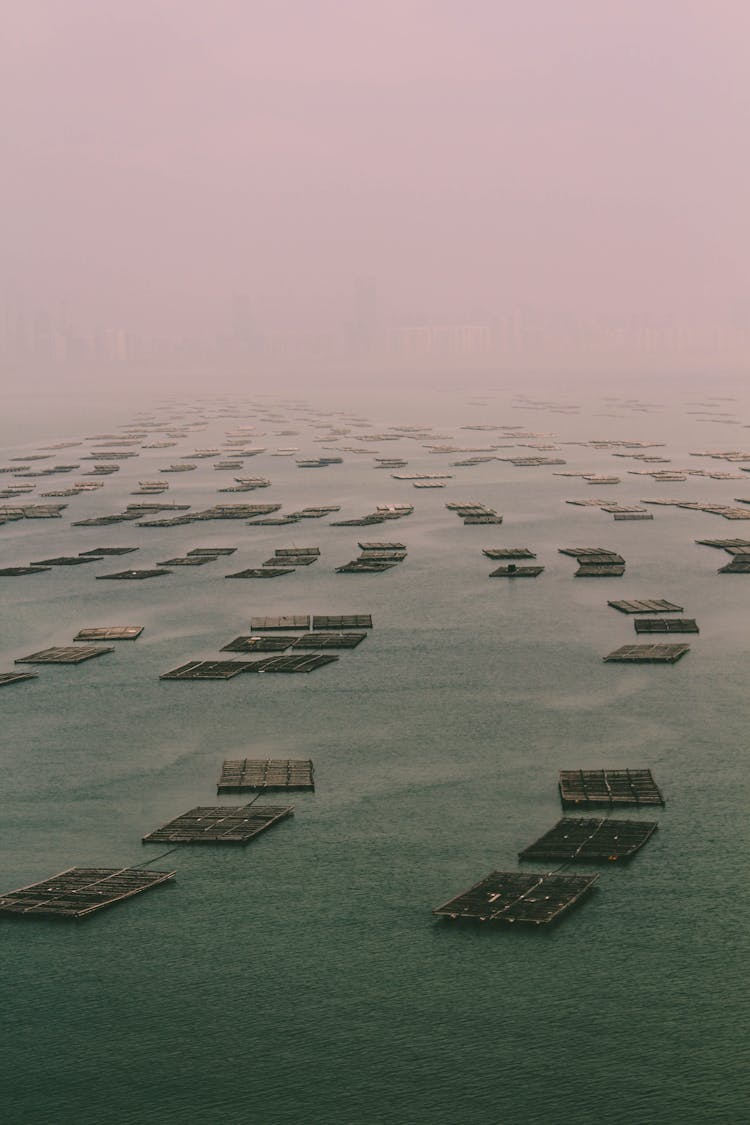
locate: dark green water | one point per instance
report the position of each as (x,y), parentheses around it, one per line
(304,979)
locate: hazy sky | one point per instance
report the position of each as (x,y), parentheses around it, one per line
(583,158)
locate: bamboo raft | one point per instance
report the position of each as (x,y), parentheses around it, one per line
(63,655)
(110,633)
(218,825)
(125,575)
(80,891)
(575,839)
(513,571)
(594,788)
(665,625)
(646,605)
(259,644)
(511,896)
(7,678)
(647,654)
(248,775)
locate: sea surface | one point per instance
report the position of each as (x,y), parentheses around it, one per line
(303,980)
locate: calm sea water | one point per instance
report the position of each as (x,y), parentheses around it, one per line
(304,979)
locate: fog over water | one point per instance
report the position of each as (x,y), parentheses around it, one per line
(341,184)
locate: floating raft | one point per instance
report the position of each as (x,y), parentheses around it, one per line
(262,572)
(633,515)
(648,605)
(246,775)
(288,560)
(189,560)
(727,544)
(67,560)
(110,633)
(298,552)
(212,552)
(17,571)
(296,662)
(512,571)
(647,654)
(291,621)
(342,621)
(665,625)
(218,825)
(740,564)
(381,545)
(110,550)
(206,670)
(259,644)
(508,553)
(16,677)
(510,896)
(364,566)
(587,841)
(329,640)
(608,787)
(81,891)
(70,655)
(155,572)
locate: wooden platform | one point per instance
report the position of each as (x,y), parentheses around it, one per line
(646,605)
(155,572)
(71,655)
(381,545)
(574,839)
(110,633)
(67,560)
(511,896)
(329,640)
(362,566)
(188,560)
(17,571)
(600,570)
(290,560)
(595,788)
(248,775)
(259,644)
(512,571)
(80,891)
(665,625)
(206,670)
(262,572)
(508,553)
(290,621)
(342,621)
(295,662)
(220,824)
(740,564)
(647,654)
(212,551)
(7,678)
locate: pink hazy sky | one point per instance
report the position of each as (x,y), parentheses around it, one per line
(587,159)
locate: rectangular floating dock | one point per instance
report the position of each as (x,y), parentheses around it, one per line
(362,566)
(248,775)
(124,575)
(508,553)
(313,552)
(189,560)
(740,564)
(207,670)
(67,560)
(647,654)
(220,824)
(17,571)
(296,662)
(71,655)
(574,839)
(212,551)
(339,622)
(329,640)
(290,560)
(290,621)
(262,572)
(81,891)
(512,571)
(665,625)
(16,677)
(511,896)
(646,605)
(381,545)
(110,633)
(599,570)
(259,644)
(595,788)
